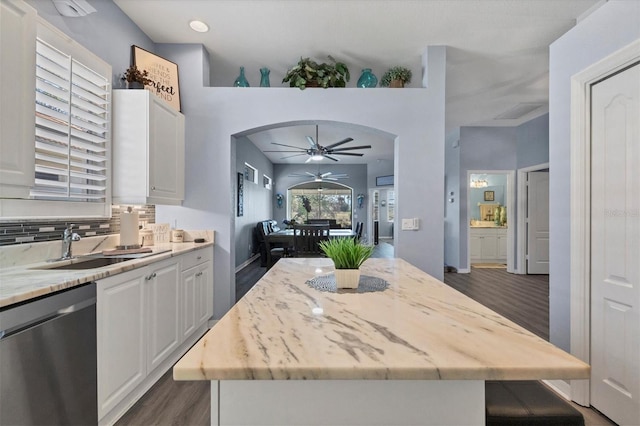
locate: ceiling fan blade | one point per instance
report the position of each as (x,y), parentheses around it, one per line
(333,145)
(325,174)
(290,146)
(301,152)
(308,159)
(330,158)
(351,148)
(330,179)
(313,144)
(289,156)
(310,174)
(355,154)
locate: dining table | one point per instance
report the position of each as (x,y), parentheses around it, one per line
(284,238)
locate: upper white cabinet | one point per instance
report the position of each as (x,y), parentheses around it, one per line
(148,149)
(17,86)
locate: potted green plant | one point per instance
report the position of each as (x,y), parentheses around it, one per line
(135,78)
(309,73)
(396,77)
(347,255)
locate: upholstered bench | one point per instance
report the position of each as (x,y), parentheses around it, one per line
(527,403)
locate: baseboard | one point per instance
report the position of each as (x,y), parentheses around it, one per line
(561,387)
(464,271)
(247,262)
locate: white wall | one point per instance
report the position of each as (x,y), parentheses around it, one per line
(214,115)
(611,27)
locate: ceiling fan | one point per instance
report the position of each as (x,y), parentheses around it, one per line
(319,177)
(317,152)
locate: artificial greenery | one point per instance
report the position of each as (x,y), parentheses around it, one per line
(396,73)
(133,74)
(346,253)
(309,73)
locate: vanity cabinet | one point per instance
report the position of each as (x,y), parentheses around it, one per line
(17,86)
(148,149)
(488,245)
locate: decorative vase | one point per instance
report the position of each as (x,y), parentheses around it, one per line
(347,278)
(241,81)
(264,77)
(396,84)
(367,79)
(134,85)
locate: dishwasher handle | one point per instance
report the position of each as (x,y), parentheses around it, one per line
(8,332)
(15,319)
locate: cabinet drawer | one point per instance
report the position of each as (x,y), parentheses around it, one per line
(197,257)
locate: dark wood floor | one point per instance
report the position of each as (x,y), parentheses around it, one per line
(521,298)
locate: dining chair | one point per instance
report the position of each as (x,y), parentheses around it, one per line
(306,240)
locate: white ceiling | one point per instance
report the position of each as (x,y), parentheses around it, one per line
(497,50)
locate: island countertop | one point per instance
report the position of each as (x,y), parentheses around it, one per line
(418,329)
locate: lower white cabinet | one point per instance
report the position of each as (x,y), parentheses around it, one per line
(488,245)
(163,310)
(121,329)
(146,319)
(197,294)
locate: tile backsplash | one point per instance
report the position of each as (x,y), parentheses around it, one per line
(51,230)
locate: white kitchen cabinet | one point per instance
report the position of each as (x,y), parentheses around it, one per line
(148,149)
(488,245)
(162,286)
(17,103)
(197,289)
(121,342)
(146,319)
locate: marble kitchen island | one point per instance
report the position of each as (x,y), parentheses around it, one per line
(416,353)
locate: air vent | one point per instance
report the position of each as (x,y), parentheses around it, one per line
(519,111)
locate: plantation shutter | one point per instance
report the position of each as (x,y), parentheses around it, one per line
(72,123)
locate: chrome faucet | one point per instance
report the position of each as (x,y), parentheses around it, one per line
(68,237)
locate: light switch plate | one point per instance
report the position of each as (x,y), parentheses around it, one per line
(412,224)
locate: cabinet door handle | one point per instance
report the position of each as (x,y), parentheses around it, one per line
(199,257)
(153,188)
(150,277)
(199,274)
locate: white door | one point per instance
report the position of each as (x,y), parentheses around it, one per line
(615,247)
(538,223)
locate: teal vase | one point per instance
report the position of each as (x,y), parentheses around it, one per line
(264,77)
(241,81)
(367,79)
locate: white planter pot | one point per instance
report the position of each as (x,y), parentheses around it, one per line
(347,278)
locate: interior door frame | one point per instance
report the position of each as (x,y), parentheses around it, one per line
(521,231)
(580,240)
(511,204)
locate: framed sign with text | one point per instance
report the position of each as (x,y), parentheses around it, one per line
(162,73)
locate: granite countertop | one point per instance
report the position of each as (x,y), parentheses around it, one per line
(21,282)
(417,328)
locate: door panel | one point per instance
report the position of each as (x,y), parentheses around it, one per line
(615,247)
(538,221)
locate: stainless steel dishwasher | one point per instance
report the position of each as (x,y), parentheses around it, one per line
(48,369)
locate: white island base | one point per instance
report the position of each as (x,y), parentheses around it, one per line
(347,402)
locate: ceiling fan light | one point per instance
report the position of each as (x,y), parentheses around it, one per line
(317,157)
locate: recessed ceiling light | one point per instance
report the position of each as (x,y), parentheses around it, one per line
(199,26)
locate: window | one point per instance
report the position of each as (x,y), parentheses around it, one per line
(267,182)
(391,206)
(250,173)
(72,129)
(332,204)
(376,205)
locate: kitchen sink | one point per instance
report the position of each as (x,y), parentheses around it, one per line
(93,263)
